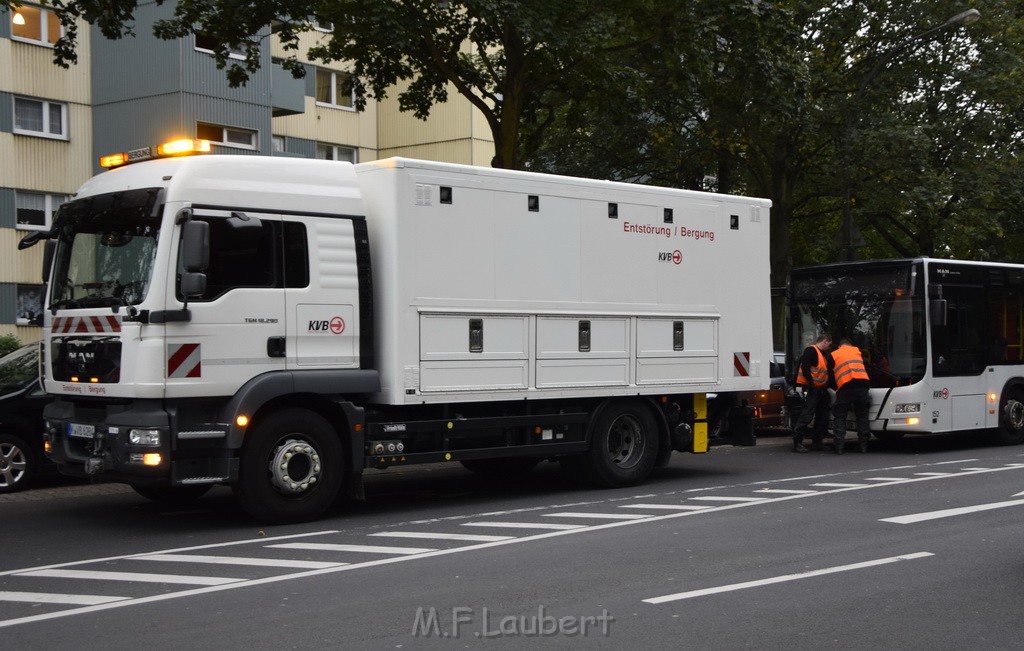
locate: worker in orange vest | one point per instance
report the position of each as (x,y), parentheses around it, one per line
(812,382)
(852,384)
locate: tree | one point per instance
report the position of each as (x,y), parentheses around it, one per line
(757,99)
(509,58)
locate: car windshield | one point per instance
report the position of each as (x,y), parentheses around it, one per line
(19,367)
(106,248)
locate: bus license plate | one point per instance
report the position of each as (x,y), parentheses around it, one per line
(77,430)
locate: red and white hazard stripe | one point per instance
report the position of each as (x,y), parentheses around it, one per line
(86,324)
(184,360)
(741,364)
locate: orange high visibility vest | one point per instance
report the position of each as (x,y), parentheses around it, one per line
(849,365)
(819,372)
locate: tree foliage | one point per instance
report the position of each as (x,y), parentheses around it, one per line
(510,58)
(805,102)
(766,100)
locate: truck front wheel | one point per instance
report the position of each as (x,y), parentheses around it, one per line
(623,445)
(291,467)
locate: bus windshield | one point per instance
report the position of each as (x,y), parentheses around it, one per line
(878,306)
(106,246)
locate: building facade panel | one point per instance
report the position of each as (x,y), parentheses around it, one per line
(33,73)
(128,68)
(7,215)
(47,165)
(21,267)
(8,301)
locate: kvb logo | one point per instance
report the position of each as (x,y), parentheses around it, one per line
(335,325)
(675,257)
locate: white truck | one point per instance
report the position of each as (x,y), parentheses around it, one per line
(280,325)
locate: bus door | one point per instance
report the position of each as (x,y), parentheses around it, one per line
(959,359)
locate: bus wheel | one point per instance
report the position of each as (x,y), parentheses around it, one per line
(1011,420)
(624,444)
(291,468)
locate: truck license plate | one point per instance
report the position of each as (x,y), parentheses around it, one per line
(77,430)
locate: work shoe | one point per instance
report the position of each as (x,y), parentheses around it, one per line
(799,447)
(840,447)
(862,446)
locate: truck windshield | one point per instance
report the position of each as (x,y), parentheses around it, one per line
(880,308)
(106,246)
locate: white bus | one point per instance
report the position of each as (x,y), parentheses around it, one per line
(943,340)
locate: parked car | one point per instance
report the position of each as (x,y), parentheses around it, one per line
(773,408)
(21,419)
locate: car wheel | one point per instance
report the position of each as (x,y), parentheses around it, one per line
(17,463)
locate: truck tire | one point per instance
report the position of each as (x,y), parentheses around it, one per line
(1011,418)
(173,495)
(623,444)
(292,467)
(17,463)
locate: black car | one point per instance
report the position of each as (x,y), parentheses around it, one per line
(21,419)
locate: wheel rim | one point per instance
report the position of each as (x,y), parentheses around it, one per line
(13,465)
(625,441)
(295,467)
(1013,414)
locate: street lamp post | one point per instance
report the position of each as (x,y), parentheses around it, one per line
(848,226)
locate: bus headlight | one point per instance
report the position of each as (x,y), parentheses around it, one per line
(148,437)
(908,408)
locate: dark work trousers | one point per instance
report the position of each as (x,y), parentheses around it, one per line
(816,408)
(853,395)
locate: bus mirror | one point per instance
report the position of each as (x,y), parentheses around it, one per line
(48,250)
(937,309)
(195,246)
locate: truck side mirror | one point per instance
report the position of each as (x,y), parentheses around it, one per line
(937,311)
(195,246)
(195,257)
(48,250)
(193,284)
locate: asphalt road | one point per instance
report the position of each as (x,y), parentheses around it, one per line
(915,545)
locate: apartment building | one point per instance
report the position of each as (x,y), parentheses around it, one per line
(55,123)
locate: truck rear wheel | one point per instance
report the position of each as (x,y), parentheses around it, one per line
(291,469)
(623,445)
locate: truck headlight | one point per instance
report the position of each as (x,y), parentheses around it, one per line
(149,437)
(908,408)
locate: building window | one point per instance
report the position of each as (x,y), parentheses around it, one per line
(321,25)
(35,25)
(30,304)
(277,143)
(336,152)
(229,136)
(207,43)
(35,210)
(334,89)
(39,117)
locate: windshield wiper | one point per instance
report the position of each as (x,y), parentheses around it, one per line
(67,302)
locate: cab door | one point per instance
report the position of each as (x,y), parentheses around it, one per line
(230,333)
